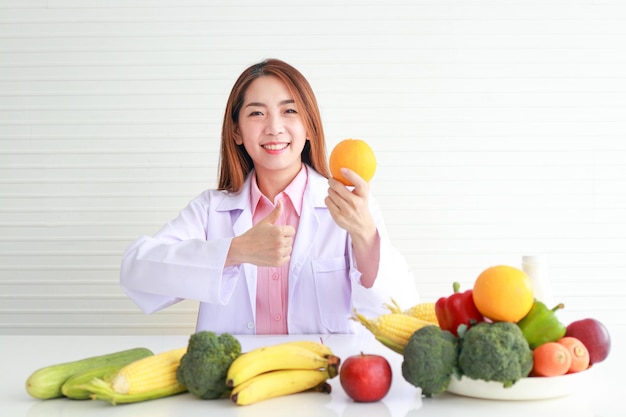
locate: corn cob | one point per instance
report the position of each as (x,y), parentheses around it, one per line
(146,379)
(149,373)
(393,329)
(423,311)
(74,386)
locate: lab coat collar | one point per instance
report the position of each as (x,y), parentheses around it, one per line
(317,186)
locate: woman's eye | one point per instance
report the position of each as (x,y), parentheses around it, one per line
(292,111)
(256,113)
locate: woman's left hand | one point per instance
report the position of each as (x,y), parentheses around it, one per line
(349,208)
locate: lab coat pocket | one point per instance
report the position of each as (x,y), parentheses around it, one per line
(333,289)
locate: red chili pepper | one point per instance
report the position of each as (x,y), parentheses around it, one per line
(457,309)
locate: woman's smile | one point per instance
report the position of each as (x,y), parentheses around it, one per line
(275,147)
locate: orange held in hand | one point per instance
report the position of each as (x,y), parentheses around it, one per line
(354,154)
(503,293)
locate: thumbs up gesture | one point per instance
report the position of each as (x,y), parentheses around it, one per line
(265,244)
(275,214)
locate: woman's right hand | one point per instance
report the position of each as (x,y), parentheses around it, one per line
(265,244)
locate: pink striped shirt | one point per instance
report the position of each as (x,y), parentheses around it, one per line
(272,290)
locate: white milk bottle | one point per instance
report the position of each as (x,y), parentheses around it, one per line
(536,268)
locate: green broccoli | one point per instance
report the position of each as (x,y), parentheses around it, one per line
(430,359)
(495,352)
(204,366)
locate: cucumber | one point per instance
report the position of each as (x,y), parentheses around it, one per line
(46,383)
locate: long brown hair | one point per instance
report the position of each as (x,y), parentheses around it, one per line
(235,163)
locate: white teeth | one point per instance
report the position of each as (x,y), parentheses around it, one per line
(275,147)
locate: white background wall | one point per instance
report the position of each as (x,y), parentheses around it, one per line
(499,127)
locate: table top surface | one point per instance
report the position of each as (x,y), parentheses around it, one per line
(598,393)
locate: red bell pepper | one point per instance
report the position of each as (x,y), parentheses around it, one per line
(457,309)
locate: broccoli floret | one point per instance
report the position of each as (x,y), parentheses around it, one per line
(204,366)
(495,352)
(430,359)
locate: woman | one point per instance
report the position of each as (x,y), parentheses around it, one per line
(278,247)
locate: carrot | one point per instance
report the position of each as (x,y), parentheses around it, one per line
(551,359)
(578,352)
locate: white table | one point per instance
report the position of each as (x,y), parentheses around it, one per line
(21,355)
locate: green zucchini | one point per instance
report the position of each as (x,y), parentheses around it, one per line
(46,383)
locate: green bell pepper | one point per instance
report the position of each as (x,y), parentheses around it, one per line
(541,325)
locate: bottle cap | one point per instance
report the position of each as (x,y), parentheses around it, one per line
(533,259)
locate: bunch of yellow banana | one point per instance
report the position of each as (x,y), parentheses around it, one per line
(281,369)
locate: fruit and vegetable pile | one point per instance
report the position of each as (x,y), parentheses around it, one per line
(496,331)
(212,366)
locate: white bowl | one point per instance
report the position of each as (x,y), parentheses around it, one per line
(531,388)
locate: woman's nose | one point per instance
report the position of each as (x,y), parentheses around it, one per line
(274,125)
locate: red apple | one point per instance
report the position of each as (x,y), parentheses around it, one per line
(365,377)
(594,335)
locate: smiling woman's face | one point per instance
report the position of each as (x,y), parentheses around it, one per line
(270,128)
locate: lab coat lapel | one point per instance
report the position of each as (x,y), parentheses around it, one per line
(238,205)
(308,227)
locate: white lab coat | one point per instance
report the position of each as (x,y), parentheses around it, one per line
(185,260)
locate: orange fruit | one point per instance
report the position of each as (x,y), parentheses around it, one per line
(354,154)
(503,293)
